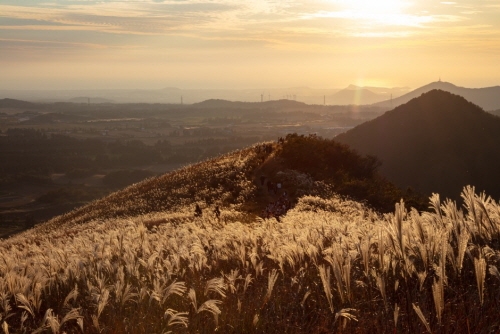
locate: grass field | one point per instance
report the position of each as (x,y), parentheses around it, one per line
(140,261)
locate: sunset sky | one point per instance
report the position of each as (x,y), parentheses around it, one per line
(56,44)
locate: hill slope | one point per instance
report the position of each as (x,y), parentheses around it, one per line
(487,98)
(438,142)
(303,165)
(139,261)
(12,103)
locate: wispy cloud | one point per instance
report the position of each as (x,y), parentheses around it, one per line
(218,32)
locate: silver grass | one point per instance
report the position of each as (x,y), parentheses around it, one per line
(494,271)
(422,275)
(102,301)
(73,314)
(210,306)
(49,321)
(192,299)
(217,286)
(175,318)
(5,303)
(36,296)
(381,252)
(364,249)
(438,296)
(306,295)
(24,317)
(380,280)
(421,317)
(324,274)
(480,270)
(463,240)
(25,304)
(95,322)
(255,320)
(71,296)
(345,313)
(396,314)
(5,327)
(231,278)
(346,275)
(273,277)
(127,294)
(338,273)
(176,288)
(248,281)
(435,203)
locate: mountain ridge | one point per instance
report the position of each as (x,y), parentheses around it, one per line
(487,98)
(438,142)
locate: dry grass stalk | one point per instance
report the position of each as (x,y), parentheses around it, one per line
(421,317)
(480,270)
(324,273)
(438,296)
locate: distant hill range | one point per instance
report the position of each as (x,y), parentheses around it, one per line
(350,95)
(437,142)
(487,98)
(83,99)
(12,103)
(364,95)
(217,103)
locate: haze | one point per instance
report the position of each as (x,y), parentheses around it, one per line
(247,44)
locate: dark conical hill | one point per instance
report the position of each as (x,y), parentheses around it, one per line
(438,142)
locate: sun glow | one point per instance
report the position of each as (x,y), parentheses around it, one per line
(385,12)
(382,7)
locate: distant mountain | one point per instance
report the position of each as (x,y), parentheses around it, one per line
(364,95)
(487,98)
(12,103)
(217,103)
(438,142)
(174,95)
(84,99)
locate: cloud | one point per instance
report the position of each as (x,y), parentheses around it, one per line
(230,23)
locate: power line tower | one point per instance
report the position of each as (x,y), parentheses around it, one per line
(261,98)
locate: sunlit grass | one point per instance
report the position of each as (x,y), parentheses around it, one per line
(139,261)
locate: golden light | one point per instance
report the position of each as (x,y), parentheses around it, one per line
(380,7)
(382,12)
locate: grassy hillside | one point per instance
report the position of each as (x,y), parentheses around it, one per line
(141,261)
(233,180)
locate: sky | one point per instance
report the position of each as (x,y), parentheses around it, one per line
(232,44)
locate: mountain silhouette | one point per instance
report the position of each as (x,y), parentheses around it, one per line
(13,103)
(93,100)
(219,103)
(438,142)
(487,98)
(363,95)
